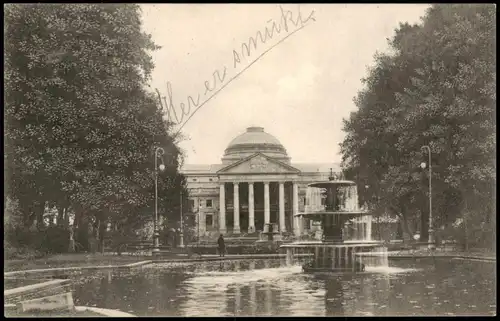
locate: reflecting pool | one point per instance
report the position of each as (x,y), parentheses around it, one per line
(270,288)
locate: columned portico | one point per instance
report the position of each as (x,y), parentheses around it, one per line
(258,200)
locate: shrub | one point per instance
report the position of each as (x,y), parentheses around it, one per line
(55,240)
(22,252)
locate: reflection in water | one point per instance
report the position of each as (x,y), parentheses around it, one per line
(247,292)
(253,300)
(267,288)
(334,298)
(267,298)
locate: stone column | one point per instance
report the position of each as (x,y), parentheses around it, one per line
(295,209)
(251,211)
(282,207)
(267,210)
(202,222)
(222,209)
(369,227)
(236,227)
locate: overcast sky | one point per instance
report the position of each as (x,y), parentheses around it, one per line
(299,91)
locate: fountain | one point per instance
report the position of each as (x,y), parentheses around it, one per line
(335,204)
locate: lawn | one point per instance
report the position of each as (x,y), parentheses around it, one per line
(71,260)
(474,253)
(11,283)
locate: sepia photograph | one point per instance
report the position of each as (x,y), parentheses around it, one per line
(235,160)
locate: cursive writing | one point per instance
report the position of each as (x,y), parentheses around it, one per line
(282,26)
(288,24)
(177,116)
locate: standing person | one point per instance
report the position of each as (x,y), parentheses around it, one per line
(178,237)
(221,245)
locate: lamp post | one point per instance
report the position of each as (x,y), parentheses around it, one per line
(181,233)
(431,229)
(198,214)
(156,244)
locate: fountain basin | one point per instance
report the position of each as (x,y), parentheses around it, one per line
(337,257)
(332,182)
(308,244)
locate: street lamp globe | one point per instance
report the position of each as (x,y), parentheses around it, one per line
(162,167)
(423,165)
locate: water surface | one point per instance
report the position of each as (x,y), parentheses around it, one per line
(270,288)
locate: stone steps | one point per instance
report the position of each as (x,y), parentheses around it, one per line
(38,290)
(57,302)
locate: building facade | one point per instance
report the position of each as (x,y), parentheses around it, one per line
(255,183)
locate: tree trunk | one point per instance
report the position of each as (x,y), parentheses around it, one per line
(97,235)
(465,219)
(60,215)
(71,243)
(424,226)
(493,222)
(102,234)
(91,236)
(31,215)
(80,226)
(40,210)
(379,227)
(27,214)
(407,230)
(52,219)
(71,230)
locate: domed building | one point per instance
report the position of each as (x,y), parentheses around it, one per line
(256,183)
(254,140)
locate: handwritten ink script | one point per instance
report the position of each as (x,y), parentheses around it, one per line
(288,24)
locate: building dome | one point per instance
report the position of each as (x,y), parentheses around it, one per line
(254,140)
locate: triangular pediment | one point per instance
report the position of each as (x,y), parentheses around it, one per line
(258,164)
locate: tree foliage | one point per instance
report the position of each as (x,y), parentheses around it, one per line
(81,126)
(437,89)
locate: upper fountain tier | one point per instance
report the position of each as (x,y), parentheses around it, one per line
(335,197)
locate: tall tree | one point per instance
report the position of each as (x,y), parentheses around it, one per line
(81,126)
(438,89)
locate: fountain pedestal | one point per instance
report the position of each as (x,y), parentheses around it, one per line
(270,233)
